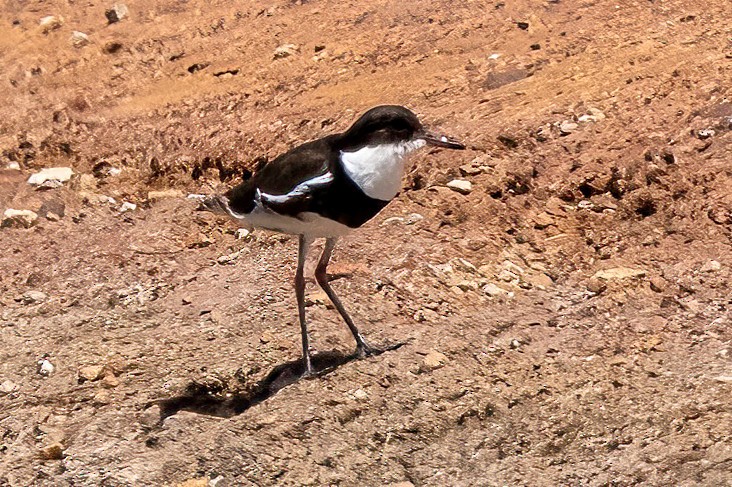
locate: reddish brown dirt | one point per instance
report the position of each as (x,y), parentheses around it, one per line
(565,379)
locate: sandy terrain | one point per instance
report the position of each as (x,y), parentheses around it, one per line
(567,322)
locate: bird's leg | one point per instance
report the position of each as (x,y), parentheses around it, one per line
(362,347)
(302,252)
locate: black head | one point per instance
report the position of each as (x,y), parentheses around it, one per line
(388,124)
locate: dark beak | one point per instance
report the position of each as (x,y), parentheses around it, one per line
(439,140)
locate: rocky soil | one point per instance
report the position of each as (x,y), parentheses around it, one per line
(562,287)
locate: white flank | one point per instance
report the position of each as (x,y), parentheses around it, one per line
(308,223)
(378,170)
(303,188)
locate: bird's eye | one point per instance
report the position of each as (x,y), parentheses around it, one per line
(400,125)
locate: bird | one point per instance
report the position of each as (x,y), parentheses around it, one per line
(325,189)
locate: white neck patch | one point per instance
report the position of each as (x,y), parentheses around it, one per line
(378,169)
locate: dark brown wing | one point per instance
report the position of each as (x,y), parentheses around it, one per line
(282,175)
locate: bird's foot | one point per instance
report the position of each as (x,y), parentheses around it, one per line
(364,349)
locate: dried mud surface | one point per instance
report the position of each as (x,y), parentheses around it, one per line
(599,141)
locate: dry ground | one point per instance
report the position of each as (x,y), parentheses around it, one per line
(599,141)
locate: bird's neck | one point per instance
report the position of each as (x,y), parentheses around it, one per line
(377,170)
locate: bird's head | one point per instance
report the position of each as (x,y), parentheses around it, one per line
(393,124)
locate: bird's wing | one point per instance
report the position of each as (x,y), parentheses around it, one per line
(287,184)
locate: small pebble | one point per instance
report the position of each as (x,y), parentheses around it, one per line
(286,50)
(8,387)
(19,218)
(596,286)
(45,367)
(585,205)
(567,127)
(360,395)
(54,451)
(658,284)
(61,174)
(50,22)
(242,234)
(118,12)
(127,206)
(434,360)
(705,133)
(79,39)
(413,218)
(31,297)
(461,186)
(492,290)
(91,373)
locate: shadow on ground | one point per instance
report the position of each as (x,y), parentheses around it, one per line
(212,401)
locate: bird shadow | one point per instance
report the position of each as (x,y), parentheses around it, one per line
(217,400)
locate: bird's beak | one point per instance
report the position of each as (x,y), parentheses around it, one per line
(438,140)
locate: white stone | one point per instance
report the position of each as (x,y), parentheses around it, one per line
(61,174)
(492,290)
(242,234)
(360,395)
(585,205)
(79,39)
(8,386)
(51,22)
(31,297)
(45,367)
(593,115)
(127,206)
(118,12)
(413,218)
(14,166)
(461,186)
(567,127)
(19,218)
